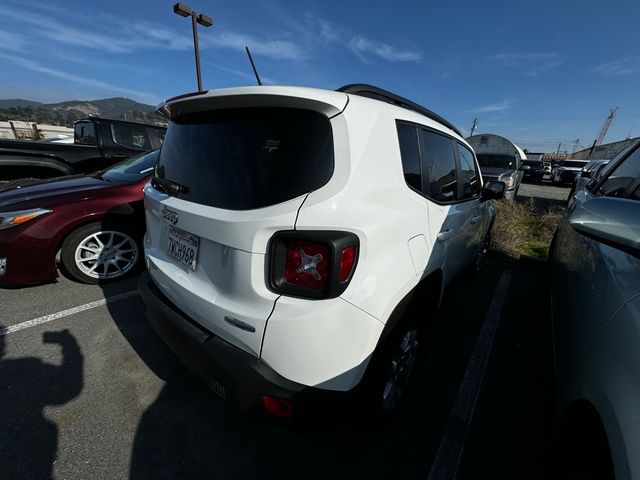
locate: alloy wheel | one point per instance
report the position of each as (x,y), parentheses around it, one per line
(107,254)
(400,370)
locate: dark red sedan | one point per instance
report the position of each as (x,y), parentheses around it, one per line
(95,223)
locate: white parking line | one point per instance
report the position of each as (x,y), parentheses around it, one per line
(449,454)
(65,313)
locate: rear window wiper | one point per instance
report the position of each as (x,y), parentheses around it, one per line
(168,187)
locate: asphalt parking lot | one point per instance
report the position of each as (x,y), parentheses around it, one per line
(88,390)
(543,191)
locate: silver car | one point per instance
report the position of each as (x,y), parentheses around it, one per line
(595,290)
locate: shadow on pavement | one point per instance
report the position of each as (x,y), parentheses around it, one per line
(188,432)
(28,440)
(511,434)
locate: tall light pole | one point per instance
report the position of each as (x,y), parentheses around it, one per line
(204,20)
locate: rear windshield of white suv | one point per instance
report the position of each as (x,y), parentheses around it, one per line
(247,158)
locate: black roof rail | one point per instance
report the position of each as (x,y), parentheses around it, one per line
(376,93)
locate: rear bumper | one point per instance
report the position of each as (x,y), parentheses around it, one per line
(235,375)
(535,175)
(510,194)
(566,176)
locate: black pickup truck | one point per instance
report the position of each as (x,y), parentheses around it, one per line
(98,144)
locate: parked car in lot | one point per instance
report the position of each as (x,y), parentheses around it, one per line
(298,239)
(595,273)
(535,172)
(98,143)
(589,172)
(566,171)
(95,223)
(500,160)
(547,168)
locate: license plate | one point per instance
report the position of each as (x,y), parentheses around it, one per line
(183,247)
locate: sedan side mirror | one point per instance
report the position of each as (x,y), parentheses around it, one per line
(614,221)
(493,190)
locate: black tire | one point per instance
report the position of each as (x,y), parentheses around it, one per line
(389,374)
(114,262)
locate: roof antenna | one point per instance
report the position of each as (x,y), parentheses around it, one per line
(253,65)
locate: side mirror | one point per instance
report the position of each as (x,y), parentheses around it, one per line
(614,221)
(493,190)
(524,168)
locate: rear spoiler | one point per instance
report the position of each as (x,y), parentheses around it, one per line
(327,102)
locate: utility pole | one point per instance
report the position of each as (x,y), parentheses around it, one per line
(473,127)
(204,20)
(559,145)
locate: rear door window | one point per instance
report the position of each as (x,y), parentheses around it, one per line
(131,136)
(439,163)
(468,173)
(410,153)
(247,158)
(84,133)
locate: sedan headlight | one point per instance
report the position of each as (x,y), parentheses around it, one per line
(509,181)
(13,219)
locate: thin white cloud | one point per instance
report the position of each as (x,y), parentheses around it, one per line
(126,37)
(619,67)
(277,49)
(361,45)
(493,107)
(242,74)
(12,41)
(532,64)
(77,79)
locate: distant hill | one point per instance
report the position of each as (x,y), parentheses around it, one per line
(16,102)
(65,113)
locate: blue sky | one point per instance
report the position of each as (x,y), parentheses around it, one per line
(539,72)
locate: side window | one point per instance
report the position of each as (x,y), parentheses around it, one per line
(410,153)
(439,162)
(84,133)
(468,173)
(622,176)
(130,136)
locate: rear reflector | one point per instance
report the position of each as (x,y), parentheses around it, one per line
(347,260)
(277,407)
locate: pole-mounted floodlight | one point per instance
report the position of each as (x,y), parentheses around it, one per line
(204,20)
(182,9)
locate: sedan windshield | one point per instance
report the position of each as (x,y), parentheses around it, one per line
(133,169)
(496,161)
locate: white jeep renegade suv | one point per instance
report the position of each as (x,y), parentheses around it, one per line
(297,238)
